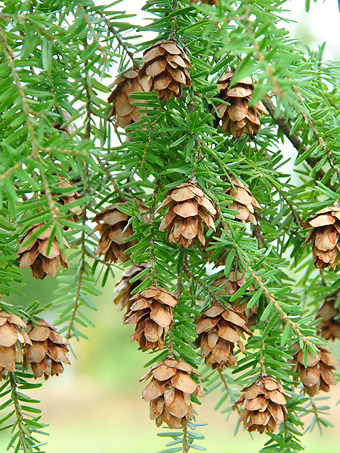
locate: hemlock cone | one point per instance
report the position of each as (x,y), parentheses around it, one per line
(151,311)
(238,117)
(318,374)
(169,392)
(189,210)
(12,338)
(123,109)
(39,255)
(166,64)
(245,203)
(330,319)
(124,288)
(325,237)
(47,353)
(218,330)
(73,214)
(264,405)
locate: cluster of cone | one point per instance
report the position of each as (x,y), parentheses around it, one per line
(264,405)
(329,314)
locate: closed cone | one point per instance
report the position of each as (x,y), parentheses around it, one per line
(245,203)
(65,199)
(151,311)
(329,315)
(169,393)
(318,374)
(166,64)
(264,405)
(12,338)
(124,288)
(42,258)
(218,331)
(123,109)
(325,237)
(238,117)
(188,210)
(47,353)
(114,231)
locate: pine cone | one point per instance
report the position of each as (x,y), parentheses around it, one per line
(245,203)
(169,393)
(166,64)
(238,118)
(36,255)
(330,319)
(11,335)
(264,405)
(123,109)
(189,209)
(325,237)
(318,375)
(113,233)
(218,331)
(47,351)
(151,311)
(124,288)
(74,213)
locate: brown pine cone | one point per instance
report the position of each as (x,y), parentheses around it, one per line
(74,213)
(169,393)
(264,405)
(12,336)
(318,375)
(218,330)
(245,203)
(238,118)
(166,64)
(47,352)
(330,319)
(36,255)
(151,311)
(123,109)
(113,233)
(123,289)
(189,210)
(325,237)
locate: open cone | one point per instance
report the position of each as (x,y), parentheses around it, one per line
(245,203)
(329,315)
(65,199)
(124,288)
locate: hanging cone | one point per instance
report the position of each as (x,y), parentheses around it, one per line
(124,288)
(169,393)
(65,199)
(47,352)
(189,210)
(325,237)
(330,319)
(318,375)
(218,330)
(114,228)
(12,338)
(264,405)
(166,64)
(151,311)
(244,203)
(42,259)
(238,117)
(123,109)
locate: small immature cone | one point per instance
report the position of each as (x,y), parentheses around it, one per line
(12,337)
(325,237)
(238,117)
(318,375)
(218,330)
(123,109)
(151,311)
(189,210)
(47,353)
(330,319)
(245,203)
(113,229)
(264,405)
(166,64)
(74,213)
(124,288)
(42,259)
(169,393)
